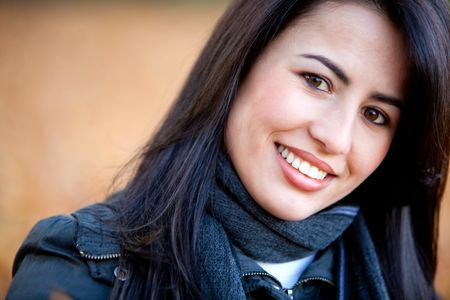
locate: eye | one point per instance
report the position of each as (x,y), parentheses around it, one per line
(375,116)
(317,82)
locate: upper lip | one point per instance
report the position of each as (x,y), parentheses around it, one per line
(312,159)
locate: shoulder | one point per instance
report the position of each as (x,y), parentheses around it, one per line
(52,235)
(95,236)
(74,254)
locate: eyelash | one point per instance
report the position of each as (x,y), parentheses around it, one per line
(379,113)
(310,76)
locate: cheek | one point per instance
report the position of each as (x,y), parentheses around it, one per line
(278,108)
(371,155)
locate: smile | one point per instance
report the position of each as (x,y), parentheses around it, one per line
(302,166)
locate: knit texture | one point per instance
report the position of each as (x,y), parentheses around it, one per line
(234,219)
(264,237)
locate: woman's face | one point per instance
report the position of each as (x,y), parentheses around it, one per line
(317,112)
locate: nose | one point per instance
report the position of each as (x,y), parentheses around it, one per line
(334,131)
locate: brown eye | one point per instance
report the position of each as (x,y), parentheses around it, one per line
(317,82)
(375,116)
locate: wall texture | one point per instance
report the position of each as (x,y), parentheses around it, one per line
(81,88)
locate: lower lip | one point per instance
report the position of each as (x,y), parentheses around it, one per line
(300,180)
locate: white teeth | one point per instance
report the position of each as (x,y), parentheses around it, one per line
(296,163)
(322,175)
(313,172)
(290,158)
(303,166)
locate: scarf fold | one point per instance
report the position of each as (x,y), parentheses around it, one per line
(264,237)
(234,219)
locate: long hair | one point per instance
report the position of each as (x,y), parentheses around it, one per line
(164,201)
(402,198)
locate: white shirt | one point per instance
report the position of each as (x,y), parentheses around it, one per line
(289,272)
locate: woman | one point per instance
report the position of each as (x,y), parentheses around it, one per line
(305,158)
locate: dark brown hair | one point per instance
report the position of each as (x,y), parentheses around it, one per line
(165,199)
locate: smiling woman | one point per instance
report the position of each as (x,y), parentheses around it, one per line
(321,106)
(305,158)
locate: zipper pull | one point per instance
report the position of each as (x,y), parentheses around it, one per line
(290,293)
(120,273)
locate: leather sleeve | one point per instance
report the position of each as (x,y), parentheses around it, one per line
(49,266)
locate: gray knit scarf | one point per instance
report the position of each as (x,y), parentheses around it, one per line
(235,220)
(264,237)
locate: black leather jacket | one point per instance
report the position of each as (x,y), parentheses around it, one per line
(77,255)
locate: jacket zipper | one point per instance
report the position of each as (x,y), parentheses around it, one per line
(261,274)
(99,257)
(307,279)
(289,292)
(119,273)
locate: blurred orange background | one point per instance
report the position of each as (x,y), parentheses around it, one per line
(82,86)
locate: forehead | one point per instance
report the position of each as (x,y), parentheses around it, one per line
(359,38)
(349,17)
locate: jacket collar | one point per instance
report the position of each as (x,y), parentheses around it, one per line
(323,265)
(96,238)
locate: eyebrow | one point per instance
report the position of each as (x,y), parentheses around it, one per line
(330,65)
(388,100)
(344,78)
